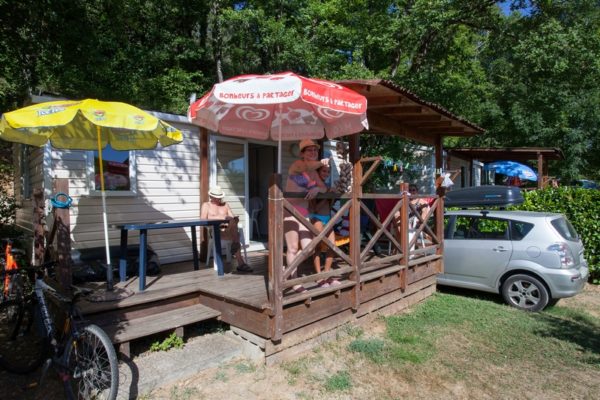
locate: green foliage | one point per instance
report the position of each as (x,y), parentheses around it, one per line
(484,330)
(373,349)
(396,150)
(582,208)
(8,208)
(528,78)
(338,382)
(171,342)
(245,367)
(185,393)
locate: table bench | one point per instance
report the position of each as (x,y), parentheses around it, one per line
(143,227)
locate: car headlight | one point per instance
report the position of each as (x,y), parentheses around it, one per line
(564,253)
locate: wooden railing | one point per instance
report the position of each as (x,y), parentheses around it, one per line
(425,241)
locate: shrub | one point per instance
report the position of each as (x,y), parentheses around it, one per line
(582,208)
(171,342)
(8,207)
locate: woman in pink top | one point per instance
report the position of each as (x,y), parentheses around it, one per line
(308,182)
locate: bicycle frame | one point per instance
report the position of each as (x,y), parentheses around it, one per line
(60,342)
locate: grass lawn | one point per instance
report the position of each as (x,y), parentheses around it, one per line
(456,344)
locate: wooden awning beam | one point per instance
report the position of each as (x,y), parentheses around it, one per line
(384,102)
(386,125)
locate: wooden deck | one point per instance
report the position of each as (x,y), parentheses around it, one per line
(263,308)
(180,296)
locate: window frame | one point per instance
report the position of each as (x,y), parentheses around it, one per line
(112,193)
(25,173)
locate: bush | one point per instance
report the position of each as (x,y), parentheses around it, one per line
(8,207)
(582,208)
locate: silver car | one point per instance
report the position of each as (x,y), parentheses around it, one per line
(533,259)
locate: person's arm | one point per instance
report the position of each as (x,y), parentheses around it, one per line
(230,214)
(319,188)
(204,211)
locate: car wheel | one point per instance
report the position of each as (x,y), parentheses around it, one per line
(525,292)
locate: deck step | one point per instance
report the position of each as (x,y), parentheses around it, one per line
(130,329)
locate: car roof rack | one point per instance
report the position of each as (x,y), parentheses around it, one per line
(484,196)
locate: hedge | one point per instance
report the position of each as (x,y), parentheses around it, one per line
(582,208)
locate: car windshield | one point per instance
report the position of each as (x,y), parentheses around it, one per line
(564,227)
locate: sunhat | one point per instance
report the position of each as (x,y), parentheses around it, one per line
(216,192)
(306,143)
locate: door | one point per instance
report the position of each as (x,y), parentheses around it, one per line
(476,251)
(262,163)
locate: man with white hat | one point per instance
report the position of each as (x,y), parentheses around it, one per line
(216,208)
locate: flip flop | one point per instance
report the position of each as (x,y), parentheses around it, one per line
(299,289)
(244,268)
(333,282)
(323,283)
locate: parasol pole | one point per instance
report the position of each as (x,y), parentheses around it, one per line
(109,274)
(279,143)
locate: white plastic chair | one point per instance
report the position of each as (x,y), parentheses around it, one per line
(413,223)
(225,247)
(256,206)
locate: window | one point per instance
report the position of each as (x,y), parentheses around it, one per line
(118,167)
(564,227)
(466,227)
(488,228)
(520,229)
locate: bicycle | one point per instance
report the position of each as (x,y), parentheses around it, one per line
(81,353)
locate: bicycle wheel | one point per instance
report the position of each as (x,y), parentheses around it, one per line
(92,363)
(22,349)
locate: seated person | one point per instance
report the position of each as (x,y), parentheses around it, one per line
(422,204)
(216,208)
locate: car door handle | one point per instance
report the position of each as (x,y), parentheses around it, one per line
(499,249)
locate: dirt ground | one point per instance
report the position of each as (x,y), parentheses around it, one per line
(324,373)
(310,376)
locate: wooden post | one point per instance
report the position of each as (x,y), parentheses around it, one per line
(439,153)
(62,221)
(404,238)
(204,176)
(355,218)
(276,255)
(540,170)
(439,232)
(439,165)
(38,227)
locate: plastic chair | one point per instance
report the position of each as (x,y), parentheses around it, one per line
(225,247)
(256,206)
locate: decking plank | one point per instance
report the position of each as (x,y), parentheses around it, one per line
(125,331)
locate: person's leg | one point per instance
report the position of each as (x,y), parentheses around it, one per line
(231,232)
(333,281)
(290,229)
(317,257)
(329,256)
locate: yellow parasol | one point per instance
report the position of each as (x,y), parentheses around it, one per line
(88,125)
